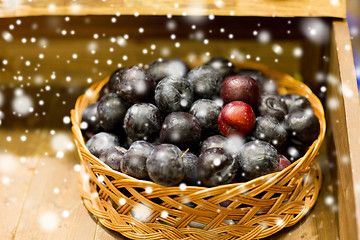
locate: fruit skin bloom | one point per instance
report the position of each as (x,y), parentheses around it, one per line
(236,118)
(240,88)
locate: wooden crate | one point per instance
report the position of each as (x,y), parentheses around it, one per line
(327,63)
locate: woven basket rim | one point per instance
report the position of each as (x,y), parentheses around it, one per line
(268,180)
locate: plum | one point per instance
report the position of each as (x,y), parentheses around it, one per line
(268,129)
(266,85)
(216,141)
(207,112)
(101,142)
(257,158)
(215,167)
(240,88)
(181,129)
(222,65)
(165,165)
(273,105)
(205,80)
(111,111)
(134,160)
(90,121)
(190,162)
(303,127)
(111,85)
(113,157)
(295,102)
(236,118)
(174,94)
(162,68)
(142,121)
(283,162)
(136,85)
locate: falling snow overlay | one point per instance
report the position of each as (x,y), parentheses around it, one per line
(47,62)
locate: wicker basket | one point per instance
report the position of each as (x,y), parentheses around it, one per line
(258,208)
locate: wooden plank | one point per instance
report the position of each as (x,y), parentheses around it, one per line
(267,8)
(16,172)
(321,221)
(344,119)
(103,233)
(53,208)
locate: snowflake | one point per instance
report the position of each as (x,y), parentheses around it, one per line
(141,212)
(171,25)
(279,222)
(122,201)
(21,104)
(6,180)
(315,29)
(164,214)
(148,190)
(65,214)
(329,200)
(182,186)
(264,36)
(277,49)
(48,221)
(77,167)
(233,144)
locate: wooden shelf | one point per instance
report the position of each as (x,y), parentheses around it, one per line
(267,8)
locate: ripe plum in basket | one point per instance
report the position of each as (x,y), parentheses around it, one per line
(303,127)
(273,105)
(215,141)
(101,142)
(162,68)
(174,94)
(165,165)
(216,167)
(222,65)
(142,121)
(113,157)
(205,80)
(111,111)
(207,112)
(190,162)
(136,85)
(236,117)
(134,161)
(257,158)
(181,129)
(240,88)
(268,129)
(90,121)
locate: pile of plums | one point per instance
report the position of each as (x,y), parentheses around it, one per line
(206,126)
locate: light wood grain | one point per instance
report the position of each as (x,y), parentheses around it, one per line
(53,208)
(345,121)
(17,168)
(269,8)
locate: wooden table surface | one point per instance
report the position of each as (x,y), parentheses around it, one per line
(39,196)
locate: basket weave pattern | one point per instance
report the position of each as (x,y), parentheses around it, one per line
(255,209)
